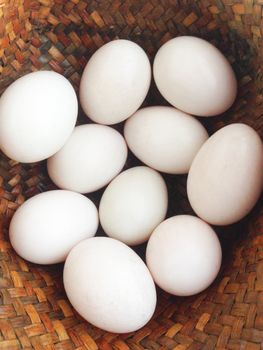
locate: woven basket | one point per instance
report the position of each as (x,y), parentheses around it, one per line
(61,35)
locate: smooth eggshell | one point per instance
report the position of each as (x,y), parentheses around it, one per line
(194,76)
(164,138)
(133,204)
(225,179)
(37,115)
(47,226)
(183,255)
(115,82)
(109,285)
(91,158)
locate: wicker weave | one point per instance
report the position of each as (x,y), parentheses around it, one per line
(61,35)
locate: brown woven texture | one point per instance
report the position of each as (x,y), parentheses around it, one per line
(61,35)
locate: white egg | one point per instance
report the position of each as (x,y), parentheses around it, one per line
(164,138)
(47,226)
(194,76)
(115,82)
(133,204)
(183,255)
(37,115)
(225,179)
(109,285)
(91,158)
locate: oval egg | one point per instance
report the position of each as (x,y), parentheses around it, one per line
(194,76)
(133,204)
(90,159)
(225,178)
(112,289)
(47,226)
(38,113)
(164,138)
(184,255)
(115,82)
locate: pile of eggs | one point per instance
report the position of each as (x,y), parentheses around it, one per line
(105,280)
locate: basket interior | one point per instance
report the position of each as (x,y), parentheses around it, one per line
(61,35)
